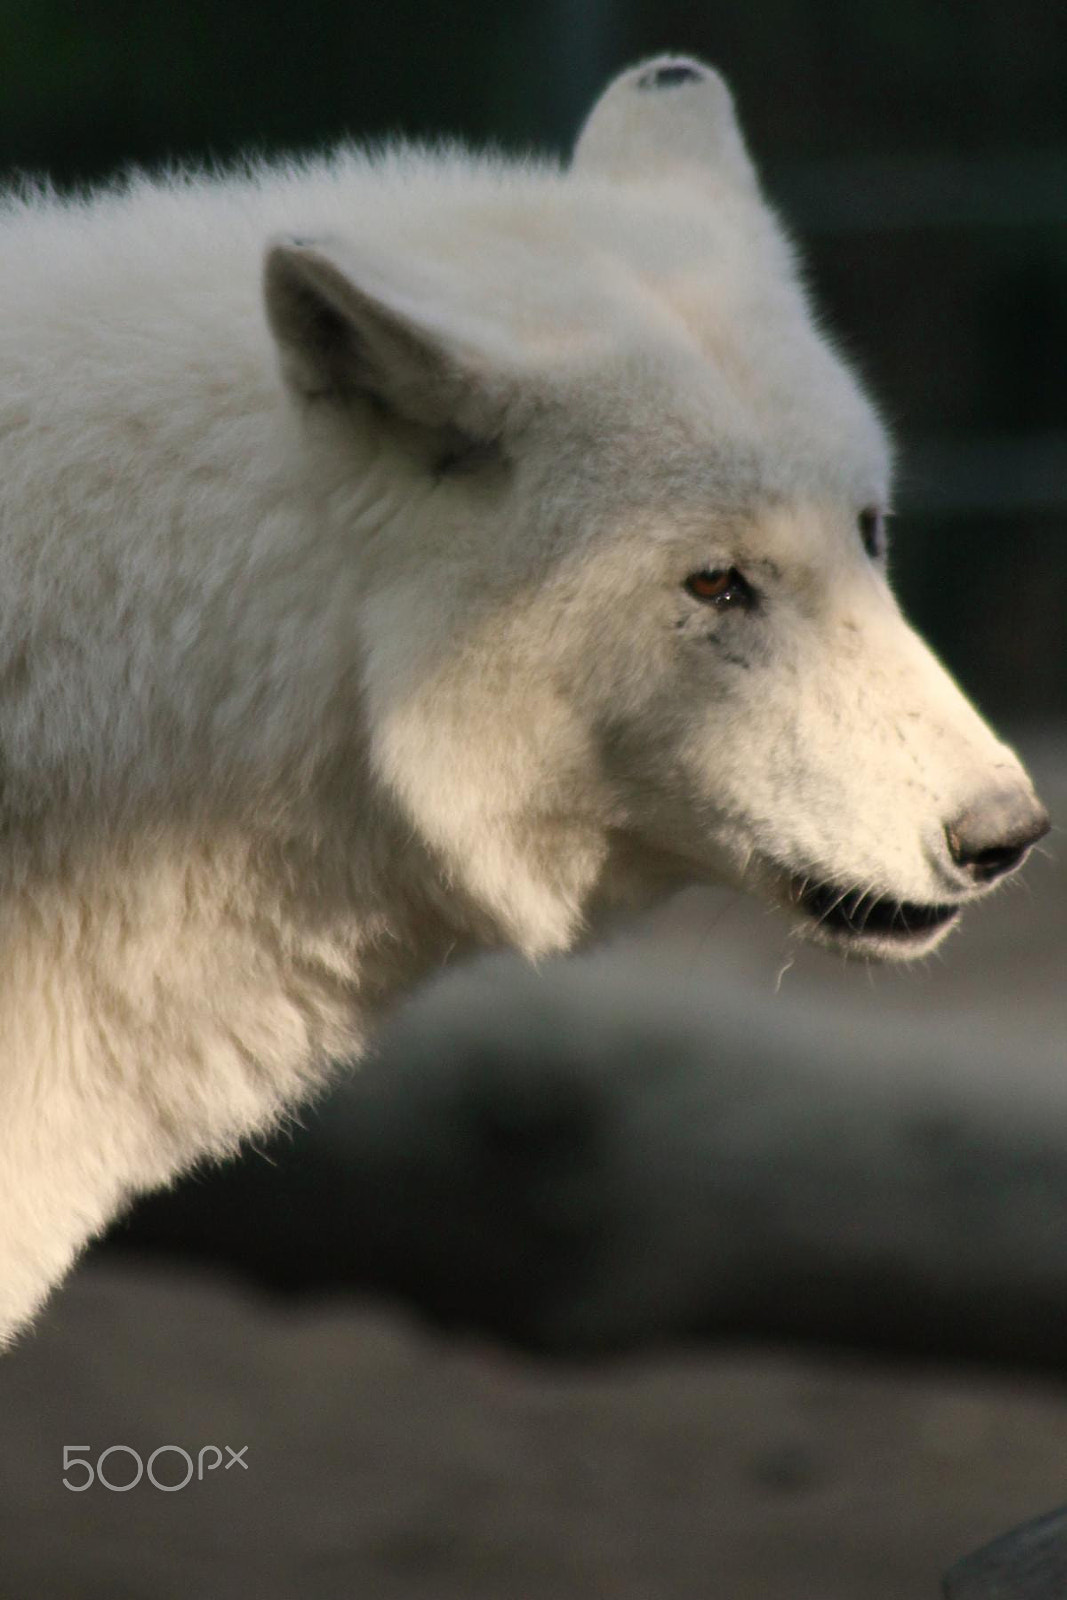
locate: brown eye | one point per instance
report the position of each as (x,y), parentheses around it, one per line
(720,586)
(871,524)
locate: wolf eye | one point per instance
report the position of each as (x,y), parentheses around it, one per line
(720,586)
(871,524)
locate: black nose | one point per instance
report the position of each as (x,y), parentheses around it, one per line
(993,835)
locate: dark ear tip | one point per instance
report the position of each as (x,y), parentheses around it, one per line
(283,243)
(670,75)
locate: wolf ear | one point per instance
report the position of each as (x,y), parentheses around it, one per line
(671,116)
(344,332)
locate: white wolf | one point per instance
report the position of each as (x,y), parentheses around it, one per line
(544,573)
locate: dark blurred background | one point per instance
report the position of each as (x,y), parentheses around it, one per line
(919,150)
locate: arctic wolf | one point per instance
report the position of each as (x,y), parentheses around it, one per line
(412,553)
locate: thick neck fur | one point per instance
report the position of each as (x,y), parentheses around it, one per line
(166,993)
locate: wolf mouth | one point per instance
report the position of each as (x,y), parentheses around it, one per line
(864,914)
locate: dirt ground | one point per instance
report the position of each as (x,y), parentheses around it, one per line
(383,1464)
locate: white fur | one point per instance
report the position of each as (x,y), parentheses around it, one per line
(288,716)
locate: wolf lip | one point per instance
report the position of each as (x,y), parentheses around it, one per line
(865,915)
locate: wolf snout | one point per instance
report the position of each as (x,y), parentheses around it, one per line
(992,835)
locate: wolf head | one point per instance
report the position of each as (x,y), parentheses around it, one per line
(620,510)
